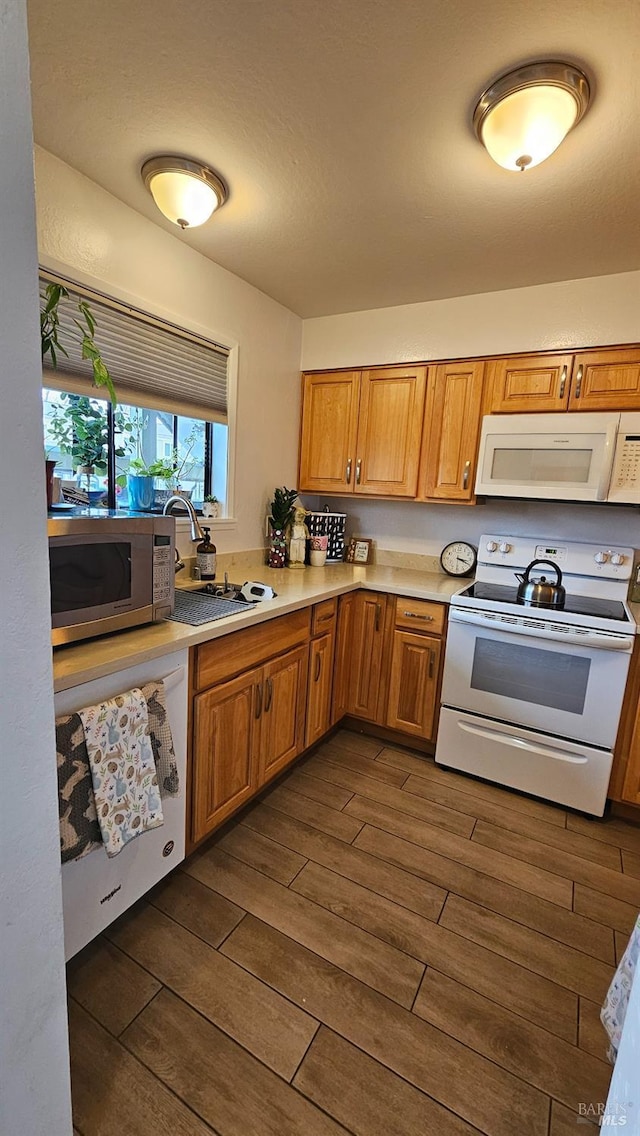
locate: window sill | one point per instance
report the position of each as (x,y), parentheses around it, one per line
(183,523)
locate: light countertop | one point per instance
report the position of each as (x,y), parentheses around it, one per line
(296,589)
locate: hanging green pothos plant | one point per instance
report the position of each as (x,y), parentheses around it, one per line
(86,325)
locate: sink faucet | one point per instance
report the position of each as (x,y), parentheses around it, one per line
(176,499)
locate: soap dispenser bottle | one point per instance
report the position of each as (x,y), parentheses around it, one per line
(206,557)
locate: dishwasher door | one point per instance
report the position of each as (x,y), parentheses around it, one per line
(97,889)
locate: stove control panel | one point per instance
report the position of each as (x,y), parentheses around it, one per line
(498,552)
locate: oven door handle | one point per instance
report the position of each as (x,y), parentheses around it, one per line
(591,639)
(522,743)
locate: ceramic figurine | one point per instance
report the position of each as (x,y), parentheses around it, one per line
(298,539)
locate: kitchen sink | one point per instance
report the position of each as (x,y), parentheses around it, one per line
(208,604)
(227,592)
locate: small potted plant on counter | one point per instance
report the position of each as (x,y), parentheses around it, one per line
(280,517)
(211,507)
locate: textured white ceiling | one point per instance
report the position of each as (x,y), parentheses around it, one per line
(342,128)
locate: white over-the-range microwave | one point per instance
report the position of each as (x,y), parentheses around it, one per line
(561,457)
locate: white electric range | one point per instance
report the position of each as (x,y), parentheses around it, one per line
(531,697)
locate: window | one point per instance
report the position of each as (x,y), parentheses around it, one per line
(171,420)
(189,453)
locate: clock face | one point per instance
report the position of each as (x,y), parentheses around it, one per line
(458,558)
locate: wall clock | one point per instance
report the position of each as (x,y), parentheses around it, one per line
(459,558)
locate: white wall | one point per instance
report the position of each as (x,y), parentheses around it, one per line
(410,526)
(34,1085)
(95,239)
(572,313)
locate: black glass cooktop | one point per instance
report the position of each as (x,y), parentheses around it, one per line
(575,605)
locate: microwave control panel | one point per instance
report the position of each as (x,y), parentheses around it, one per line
(163,569)
(625,479)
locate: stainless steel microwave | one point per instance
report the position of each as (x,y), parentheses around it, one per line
(561,457)
(108,572)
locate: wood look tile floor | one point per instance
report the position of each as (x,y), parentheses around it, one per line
(378,947)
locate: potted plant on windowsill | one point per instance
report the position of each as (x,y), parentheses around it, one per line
(79,428)
(141,482)
(211,507)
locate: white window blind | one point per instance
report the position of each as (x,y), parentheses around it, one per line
(152,363)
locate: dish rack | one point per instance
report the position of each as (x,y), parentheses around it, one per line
(331,525)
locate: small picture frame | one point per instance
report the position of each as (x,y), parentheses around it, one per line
(359,550)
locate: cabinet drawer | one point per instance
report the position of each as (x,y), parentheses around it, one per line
(236,652)
(324,617)
(420,615)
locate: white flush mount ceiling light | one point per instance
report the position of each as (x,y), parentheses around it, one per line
(524,115)
(185,191)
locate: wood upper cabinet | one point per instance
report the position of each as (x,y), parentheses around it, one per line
(606,380)
(343,655)
(225,750)
(329,432)
(361,431)
(413,683)
(526,384)
(366,663)
(451,431)
(389,431)
(319,688)
(283,712)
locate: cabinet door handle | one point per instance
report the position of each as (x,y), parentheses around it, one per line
(269,698)
(358,470)
(563,381)
(579,381)
(348,472)
(417,615)
(432,660)
(258,699)
(318,667)
(378,616)
(465,475)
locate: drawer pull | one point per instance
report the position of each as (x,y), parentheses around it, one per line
(465,475)
(318,667)
(347,476)
(324,618)
(579,381)
(258,699)
(563,381)
(377,617)
(269,698)
(417,615)
(358,470)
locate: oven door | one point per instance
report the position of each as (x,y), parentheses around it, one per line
(564,683)
(99,582)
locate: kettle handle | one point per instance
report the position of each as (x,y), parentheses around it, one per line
(525,579)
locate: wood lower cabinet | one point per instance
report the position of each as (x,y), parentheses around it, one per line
(343,652)
(329,432)
(452,431)
(413,683)
(367,651)
(319,688)
(283,712)
(606,380)
(526,384)
(245,731)
(226,748)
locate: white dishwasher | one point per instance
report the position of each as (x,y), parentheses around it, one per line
(95,888)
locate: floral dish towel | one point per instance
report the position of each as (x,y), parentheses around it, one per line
(615,1005)
(123,770)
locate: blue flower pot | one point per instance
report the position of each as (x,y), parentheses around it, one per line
(141,492)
